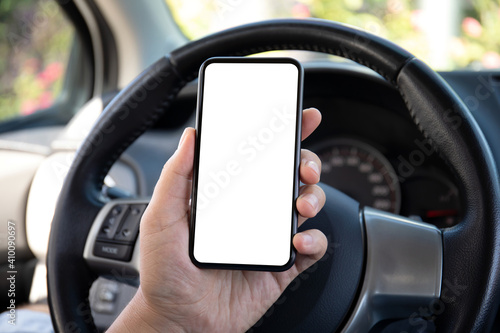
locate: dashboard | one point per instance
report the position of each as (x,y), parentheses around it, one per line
(368,144)
(371,149)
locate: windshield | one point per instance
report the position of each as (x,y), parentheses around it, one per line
(446,34)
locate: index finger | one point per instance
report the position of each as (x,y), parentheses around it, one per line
(311,118)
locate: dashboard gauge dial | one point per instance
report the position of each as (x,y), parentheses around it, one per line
(360,171)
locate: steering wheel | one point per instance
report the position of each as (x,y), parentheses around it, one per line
(378,265)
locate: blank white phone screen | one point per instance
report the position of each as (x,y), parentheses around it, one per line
(246,164)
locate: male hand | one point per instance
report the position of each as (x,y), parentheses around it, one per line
(176,296)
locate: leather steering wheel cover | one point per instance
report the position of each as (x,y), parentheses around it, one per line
(323,36)
(471,248)
(427,96)
(131,112)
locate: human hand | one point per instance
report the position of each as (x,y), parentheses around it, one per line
(176,296)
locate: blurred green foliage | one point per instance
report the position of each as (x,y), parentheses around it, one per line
(35,42)
(35,37)
(473,42)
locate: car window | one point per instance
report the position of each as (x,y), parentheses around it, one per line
(35,45)
(447,34)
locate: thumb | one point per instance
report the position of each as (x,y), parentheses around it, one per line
(170,201)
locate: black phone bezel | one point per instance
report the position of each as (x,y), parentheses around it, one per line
(298,131)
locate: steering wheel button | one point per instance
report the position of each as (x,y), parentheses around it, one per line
(113,251)
(112,222)
(117,210)
(104,307)
(129,228)
(107,296)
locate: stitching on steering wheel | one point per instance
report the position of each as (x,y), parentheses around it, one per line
(159,110)
(416,121)
(306,47)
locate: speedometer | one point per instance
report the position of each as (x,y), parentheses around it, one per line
(362,172)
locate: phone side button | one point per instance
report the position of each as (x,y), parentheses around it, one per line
(113,251)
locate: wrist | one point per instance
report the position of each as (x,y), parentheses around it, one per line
(139,316)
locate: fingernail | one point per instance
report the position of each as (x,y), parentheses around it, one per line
(182,138)
(306,239)
(311,199)
(314,166)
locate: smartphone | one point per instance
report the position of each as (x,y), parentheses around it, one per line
(246,165)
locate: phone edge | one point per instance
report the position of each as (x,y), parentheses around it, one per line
(298,140)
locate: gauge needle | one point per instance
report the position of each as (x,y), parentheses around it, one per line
(441,213)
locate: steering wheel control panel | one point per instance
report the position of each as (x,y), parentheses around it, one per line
(119,231)
(112,246)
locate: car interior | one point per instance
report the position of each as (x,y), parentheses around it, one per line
(95,94)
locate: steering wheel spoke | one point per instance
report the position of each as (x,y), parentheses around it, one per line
(403,272)
(112,246)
